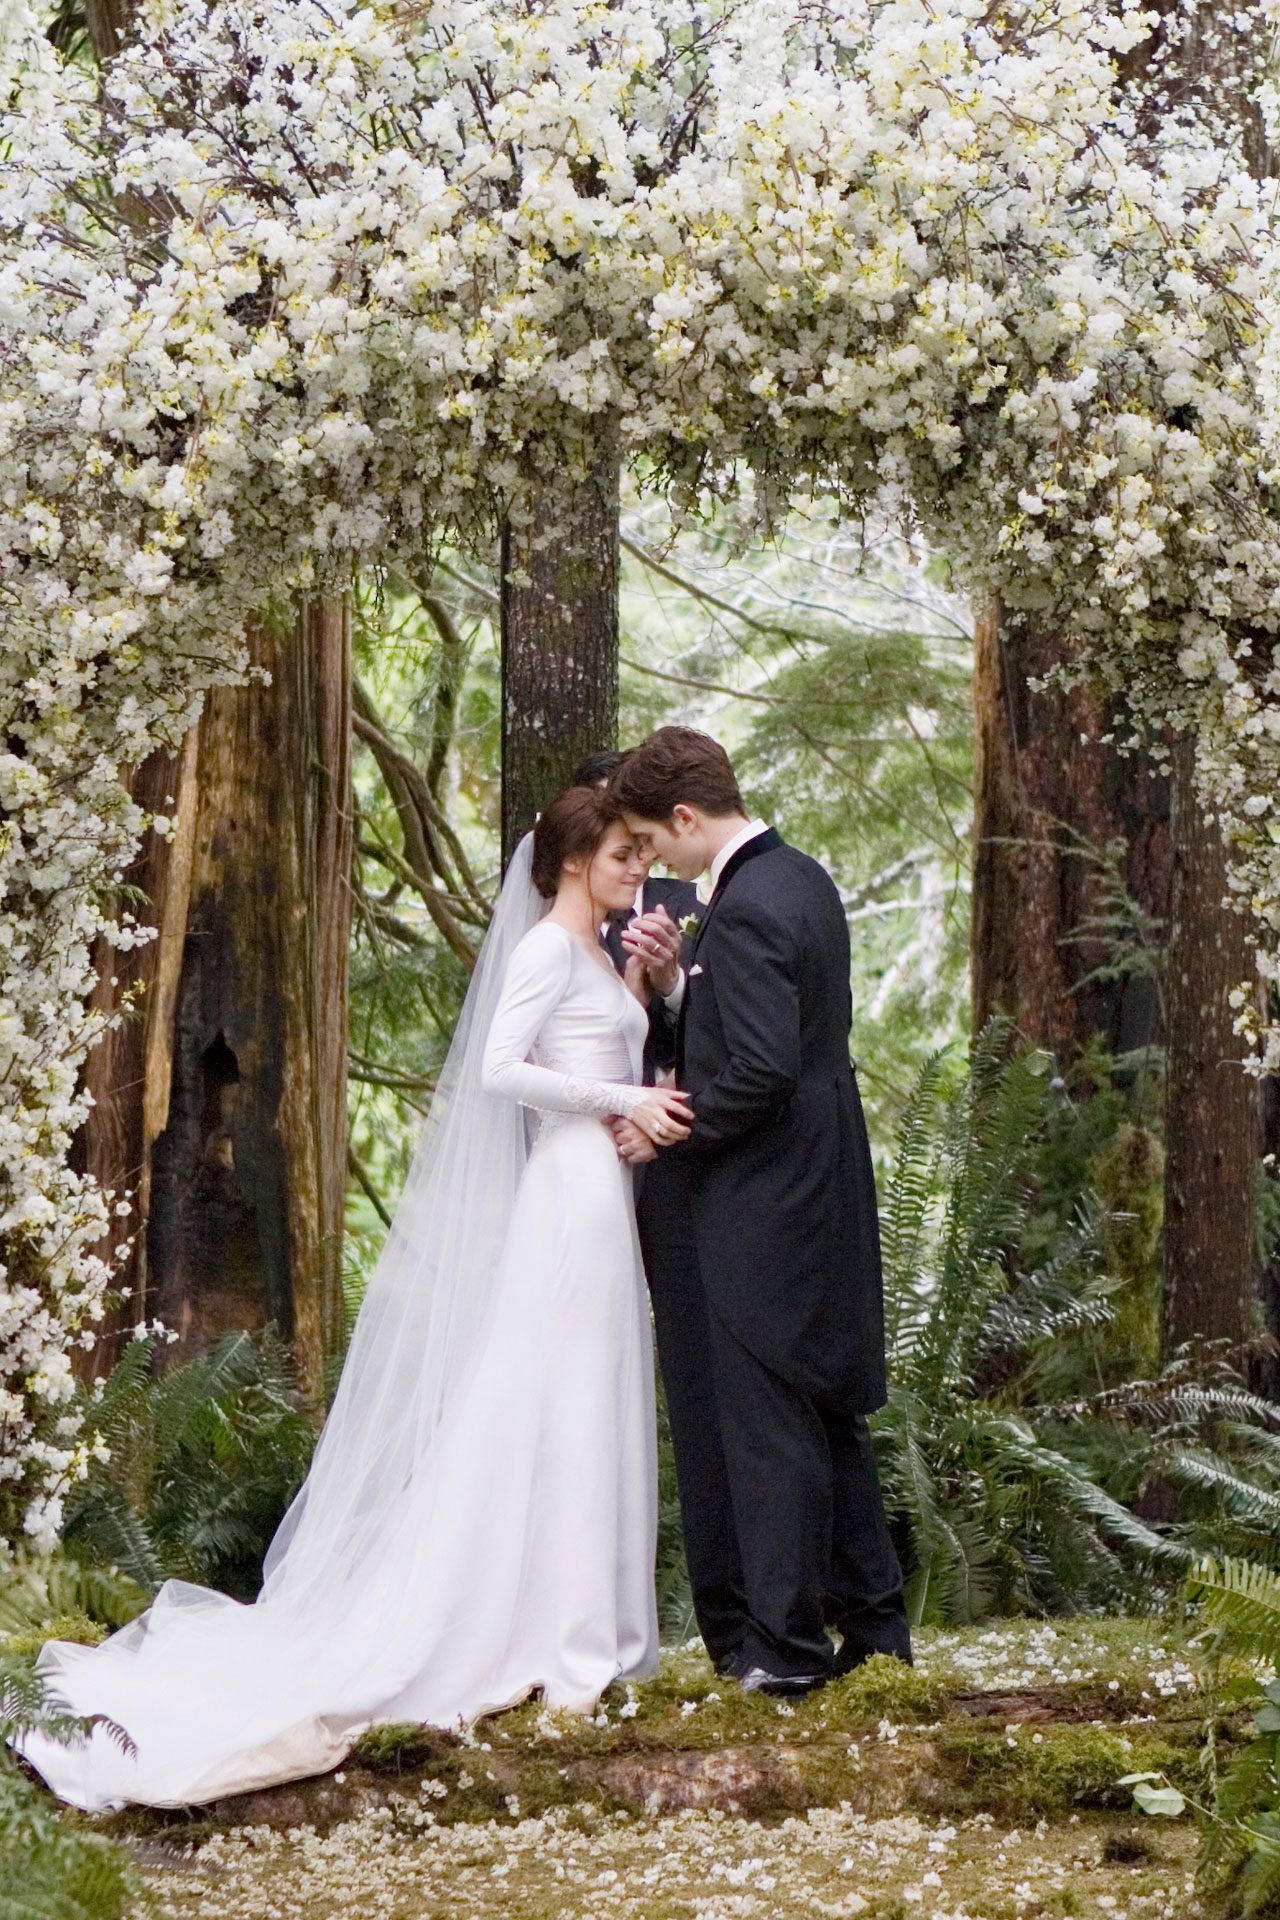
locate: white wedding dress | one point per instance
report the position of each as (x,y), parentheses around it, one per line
(458,1543)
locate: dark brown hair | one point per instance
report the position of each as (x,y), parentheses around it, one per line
(676,766)
(571,828)
(597,769)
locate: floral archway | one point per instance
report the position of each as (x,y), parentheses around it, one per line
(302,285)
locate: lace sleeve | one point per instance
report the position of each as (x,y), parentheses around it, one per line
(536,982)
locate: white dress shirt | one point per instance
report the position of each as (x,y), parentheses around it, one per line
(712,880)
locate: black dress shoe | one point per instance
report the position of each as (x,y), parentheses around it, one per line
(727,1663)
(786,1685)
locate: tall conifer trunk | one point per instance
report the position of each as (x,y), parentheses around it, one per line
(1212,1106)
(1042,798)
(247,1054)
(559,637)
(224,1107)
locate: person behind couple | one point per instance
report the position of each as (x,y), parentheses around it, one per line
(767,1289)
(479,1518)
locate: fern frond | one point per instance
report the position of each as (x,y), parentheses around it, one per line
(910,1195)
(39,1587)
(1210,1473)
(1260,1875)
(1242,1601)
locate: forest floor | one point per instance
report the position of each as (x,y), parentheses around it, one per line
(981,1783)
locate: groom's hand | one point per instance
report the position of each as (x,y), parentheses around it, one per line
(633,1145)
(654,939)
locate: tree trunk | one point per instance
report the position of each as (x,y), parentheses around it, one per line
(221,1102)
(1043,798)
(106,21)
(1211,1104)
(559,638)
(127,1072)
(1267,1377)
(228,1102)
(1213,1112)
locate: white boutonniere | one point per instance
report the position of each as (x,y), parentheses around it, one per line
(690,924)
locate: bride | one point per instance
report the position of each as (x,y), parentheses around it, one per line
(478,1522)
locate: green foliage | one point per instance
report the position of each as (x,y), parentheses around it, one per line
(887,1688)
(1027,1778)
(1027,1428)
(996,1518)
(675,1597)
(51,1869)
(1240,1844)
(204,1458)
(44,1593)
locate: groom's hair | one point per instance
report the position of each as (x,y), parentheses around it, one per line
(676,766)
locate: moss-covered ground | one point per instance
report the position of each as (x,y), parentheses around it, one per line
(982,1782)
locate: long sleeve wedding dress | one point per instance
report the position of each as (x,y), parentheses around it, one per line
(474,1529)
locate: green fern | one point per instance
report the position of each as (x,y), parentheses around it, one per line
(996,1511)
(36,1588)
(1241,1601)
(50,1870)
(1240,1843)
(203,1459)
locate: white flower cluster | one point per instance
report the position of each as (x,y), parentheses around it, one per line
(303,283)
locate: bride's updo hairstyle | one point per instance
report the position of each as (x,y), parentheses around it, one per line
(571,828)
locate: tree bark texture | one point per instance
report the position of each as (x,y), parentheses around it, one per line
(127,1072)
(1040,794)
(106,21)
(228,1102)
(1212,1110)
(559,638)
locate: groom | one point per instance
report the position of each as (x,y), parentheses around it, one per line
(781,1315)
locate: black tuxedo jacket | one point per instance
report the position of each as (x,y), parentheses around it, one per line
(680,898)
(782,1187)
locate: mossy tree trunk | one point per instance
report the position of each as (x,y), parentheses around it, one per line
(559,636)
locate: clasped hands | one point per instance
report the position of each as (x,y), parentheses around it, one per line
(652,941)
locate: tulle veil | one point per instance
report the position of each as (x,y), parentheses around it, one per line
(427,1301)
(221,1695)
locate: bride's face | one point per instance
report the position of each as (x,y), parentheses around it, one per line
(616,869)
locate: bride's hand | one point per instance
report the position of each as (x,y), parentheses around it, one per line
(637,978)
(664,1115)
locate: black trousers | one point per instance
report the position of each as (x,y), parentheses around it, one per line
(680,1323)
(781,1506)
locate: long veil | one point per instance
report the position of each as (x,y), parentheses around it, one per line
(219,1696)
(427,1301)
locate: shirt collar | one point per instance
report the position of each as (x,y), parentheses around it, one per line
(730,847)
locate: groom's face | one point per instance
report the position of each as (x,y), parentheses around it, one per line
(679,843)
